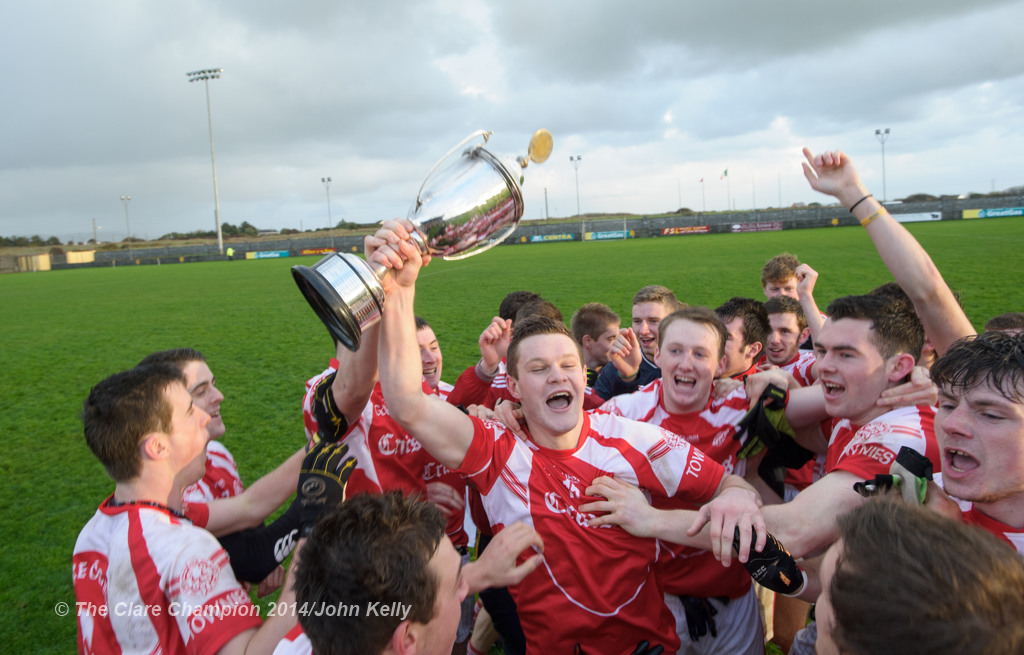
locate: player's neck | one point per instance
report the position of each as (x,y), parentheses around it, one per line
(556,441)
(1008,511)
(154,491)
(868,415)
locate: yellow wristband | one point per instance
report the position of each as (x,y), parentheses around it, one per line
(866,221)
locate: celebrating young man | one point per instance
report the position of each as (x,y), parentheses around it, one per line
(571,601)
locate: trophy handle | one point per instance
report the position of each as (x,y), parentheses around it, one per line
(484,133)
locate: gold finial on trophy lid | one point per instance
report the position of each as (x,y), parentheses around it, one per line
(541,144)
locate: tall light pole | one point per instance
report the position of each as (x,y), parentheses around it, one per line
(882,135)
(206,75)
(330,222)
(575,161)
(127,226)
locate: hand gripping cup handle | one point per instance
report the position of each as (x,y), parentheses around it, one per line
(471,201)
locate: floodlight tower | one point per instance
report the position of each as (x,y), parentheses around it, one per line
(882,135)
(575,161)
(127,225)
(330,222)
(206,75)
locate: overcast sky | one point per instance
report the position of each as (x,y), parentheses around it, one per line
(653,95)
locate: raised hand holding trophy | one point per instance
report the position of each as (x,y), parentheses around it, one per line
(470,201)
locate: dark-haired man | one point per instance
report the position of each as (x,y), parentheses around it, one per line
(866,347)
(147,580)
(220,502)
(393,581)
(981,431)
(915,560)
(787,329)
(747,325)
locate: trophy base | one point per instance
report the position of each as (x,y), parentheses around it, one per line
(345,294)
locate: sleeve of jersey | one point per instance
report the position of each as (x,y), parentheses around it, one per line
(875,456)
(469,389)
(209,604)
(486,456)
(685,472)
(198,513)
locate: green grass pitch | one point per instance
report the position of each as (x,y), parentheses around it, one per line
(63,331)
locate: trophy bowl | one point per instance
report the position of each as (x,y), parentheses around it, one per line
(470,201)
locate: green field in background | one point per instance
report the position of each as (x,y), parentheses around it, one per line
(63,331)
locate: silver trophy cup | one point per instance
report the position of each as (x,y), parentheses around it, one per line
(470,201)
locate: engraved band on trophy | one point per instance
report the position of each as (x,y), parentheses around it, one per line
(470,201)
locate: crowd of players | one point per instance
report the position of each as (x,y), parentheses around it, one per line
(623,482)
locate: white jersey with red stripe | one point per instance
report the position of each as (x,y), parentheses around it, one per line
(294,643)
(683,570)
(147,581)
(597,586)
(870,449)
(221,479)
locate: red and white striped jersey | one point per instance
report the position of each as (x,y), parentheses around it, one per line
(801,367)
(387,457)
(1012,537)
(683,570)
(870,449)
(221,479)
(596,587)
(146,582)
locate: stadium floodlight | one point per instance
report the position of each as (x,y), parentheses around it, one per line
(575,161)
(205,75)
(330,223)
(882,135)
(127,225)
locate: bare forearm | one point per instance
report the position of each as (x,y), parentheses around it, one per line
(251,507)
(443,430)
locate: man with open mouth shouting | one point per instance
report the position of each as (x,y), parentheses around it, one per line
(596,589)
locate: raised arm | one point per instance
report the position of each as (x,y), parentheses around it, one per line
(944,321)
(806,277)
(442,429)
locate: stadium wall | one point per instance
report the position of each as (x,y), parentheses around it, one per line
(639,227)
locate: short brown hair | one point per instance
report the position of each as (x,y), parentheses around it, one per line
(529,327)
(1007,321)
(755,319)
(895,327)
(124,408)
(370,548)
(658,293)
(591,320)
(700,315)
(993,358)
(779,268)
(909,580)
(786,305)
(178,357)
